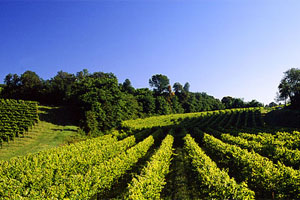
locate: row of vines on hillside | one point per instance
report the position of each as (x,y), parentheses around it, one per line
(77,171)
(17,116)
(210,118)
(215,182)
(139,158)
(276,150)
(269,180)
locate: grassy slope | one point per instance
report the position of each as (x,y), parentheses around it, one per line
(54,127)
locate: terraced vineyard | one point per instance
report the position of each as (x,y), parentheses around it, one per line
(17,116)
(227,154)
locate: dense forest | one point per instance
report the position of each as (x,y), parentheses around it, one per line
(101,102)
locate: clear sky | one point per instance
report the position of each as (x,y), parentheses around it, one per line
(236,48)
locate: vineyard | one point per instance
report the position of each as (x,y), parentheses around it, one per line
(224,154)
(17,116)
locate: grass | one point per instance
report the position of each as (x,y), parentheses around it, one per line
(55,128)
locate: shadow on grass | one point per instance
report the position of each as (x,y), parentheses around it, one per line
(63,116)
(64,129)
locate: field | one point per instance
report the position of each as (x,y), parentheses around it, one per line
(52,130)
(226,154)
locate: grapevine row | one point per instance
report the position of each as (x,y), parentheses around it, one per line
(274,152)
(77,173)
(150,182)
(217,182)
(174,119)
(286,139)
(16,117)
(268,179)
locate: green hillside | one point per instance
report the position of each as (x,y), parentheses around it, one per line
(226,154)
(54,128)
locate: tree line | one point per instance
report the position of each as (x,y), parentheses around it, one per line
(289,88)
(101,102)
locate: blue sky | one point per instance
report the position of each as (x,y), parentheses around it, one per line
(225,48)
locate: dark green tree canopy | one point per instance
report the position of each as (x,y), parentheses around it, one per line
(160,83)
(177,87)
(127,87)
(186,87)
(61,86)
(289,87)
(254,103)
(27,86)
(82,74)
(272,104)
(12,80)
(231,102)
(100,102)
(99,93)
(30,79)
(1,88)
(227,101)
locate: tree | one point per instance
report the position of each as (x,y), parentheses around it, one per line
(12,80)
(238,103)
(283,91)
(11,86)
(176,105)
(227,101)
(190,105)
(178,88)
(230,102)
(61,87)
(30,79)
(162,106)
(272,104)
(100,93)
(30,86)
(82,74)
(160,83)
(1,88)
(289,87)
(146,101)
(186,87)
(254,103)
(130,106)
(127,87)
